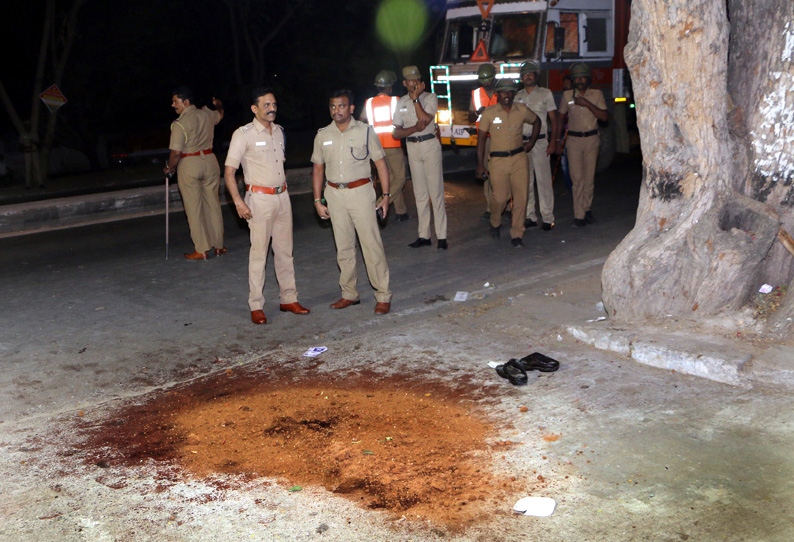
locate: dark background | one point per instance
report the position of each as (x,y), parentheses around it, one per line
(128,56)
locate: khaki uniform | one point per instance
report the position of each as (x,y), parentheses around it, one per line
(509,175)
(346,156)
(261,154)
(540,101)
(582,151)
(395,162)
(424,159)
(199,176)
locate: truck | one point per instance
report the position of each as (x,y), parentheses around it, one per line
(555,33)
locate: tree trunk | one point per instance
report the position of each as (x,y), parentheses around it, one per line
(714,109)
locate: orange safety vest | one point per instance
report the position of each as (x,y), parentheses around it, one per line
(380,111)
(480,99)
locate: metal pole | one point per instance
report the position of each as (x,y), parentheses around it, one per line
(167,214)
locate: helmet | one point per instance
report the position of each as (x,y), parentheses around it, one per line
(581,69)
(486,73)
(530,66)
(385,78)
(506,84)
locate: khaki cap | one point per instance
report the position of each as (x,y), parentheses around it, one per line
(411,72)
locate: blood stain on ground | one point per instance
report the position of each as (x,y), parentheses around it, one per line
(414,448)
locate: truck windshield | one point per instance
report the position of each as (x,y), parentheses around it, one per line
(512,36)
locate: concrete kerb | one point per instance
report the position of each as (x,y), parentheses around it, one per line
(68,212)
(706,356)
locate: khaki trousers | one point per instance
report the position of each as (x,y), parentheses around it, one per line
(540,175)
(582,158)
(509,177)
(352,212)
(198,178)
(395,161)
(271,221)
(427,175)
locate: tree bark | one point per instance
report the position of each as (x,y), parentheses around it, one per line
(715,117)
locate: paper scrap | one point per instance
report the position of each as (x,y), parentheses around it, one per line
(535,506)
(315,351)
(461,296)
(766,288)
(494,364)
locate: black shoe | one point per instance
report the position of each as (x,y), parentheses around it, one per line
(442,244)
(579,223)
(486,215)
(420,242)
(588,217)
(494,232)
(547,226)
(401,218)
(529,223)
(538,362)
(516,242)
(513,372)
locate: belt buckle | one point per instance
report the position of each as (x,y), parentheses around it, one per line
(341,185)
(279,189)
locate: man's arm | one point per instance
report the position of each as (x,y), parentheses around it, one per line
(600,114)
(481,171)
(535,133)
(231,185)
(318,176)
(553,143)
(173,161)
(218,107)
(383,175)
(400,133)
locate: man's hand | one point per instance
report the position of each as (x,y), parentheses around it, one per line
(322,210)
(420,88)
(384,206)
(481,172)
(552,148)
(243,210)
(581,101)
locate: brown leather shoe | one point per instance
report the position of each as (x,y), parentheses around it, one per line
(344,303)
(294,308)
(220,251)
(382,308)
(196,255)
(258,317)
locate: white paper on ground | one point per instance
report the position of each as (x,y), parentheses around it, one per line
(315,351)
(494,364)
(535,506)
(766,288)
(461,296)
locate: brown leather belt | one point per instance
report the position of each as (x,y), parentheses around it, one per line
(265,189)
(353,184)
(582,134)
(506,154)
(208,151)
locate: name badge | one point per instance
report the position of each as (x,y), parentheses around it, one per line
(328,142)
(497,120)
(403,109)
(261,143)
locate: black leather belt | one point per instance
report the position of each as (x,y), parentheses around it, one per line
(583,134)
(541,136)
(417,139)
(506,154)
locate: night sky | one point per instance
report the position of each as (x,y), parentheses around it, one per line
(128,57)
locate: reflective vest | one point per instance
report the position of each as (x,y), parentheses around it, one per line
(480,99)
(380,111)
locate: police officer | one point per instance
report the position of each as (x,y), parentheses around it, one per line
(378,112)
(342,151)
(259,147)
(414,120)
(584,107)
(198,171)
(508,167)
(541,102)
(482,97)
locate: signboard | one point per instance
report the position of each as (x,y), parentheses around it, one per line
(53,98)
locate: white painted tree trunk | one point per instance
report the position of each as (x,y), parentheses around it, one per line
(715,105)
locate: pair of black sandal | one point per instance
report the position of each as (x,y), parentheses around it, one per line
(515,371)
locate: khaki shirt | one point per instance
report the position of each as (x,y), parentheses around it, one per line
(405,114)
(506,128)
(580,119)
(261,153)
(540,101)
(193,130)
(346,155)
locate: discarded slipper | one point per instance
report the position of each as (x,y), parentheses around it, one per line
(513,372)
(539,362)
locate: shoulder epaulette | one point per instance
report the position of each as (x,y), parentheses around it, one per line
(247,127)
